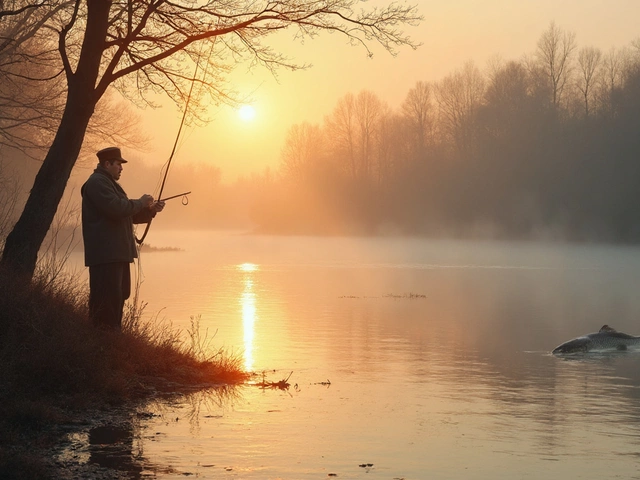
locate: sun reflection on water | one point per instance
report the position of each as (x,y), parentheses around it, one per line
(248,267)
(248,302)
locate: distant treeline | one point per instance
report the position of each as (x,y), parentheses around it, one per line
(545,146)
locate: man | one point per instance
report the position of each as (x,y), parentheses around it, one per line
(108,216)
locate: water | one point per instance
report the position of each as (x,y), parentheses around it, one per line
(408,359)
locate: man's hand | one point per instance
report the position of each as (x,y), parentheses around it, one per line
(147,200)
(157,206)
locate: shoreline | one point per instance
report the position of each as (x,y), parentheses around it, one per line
(61,375)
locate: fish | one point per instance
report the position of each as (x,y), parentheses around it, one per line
(606,339)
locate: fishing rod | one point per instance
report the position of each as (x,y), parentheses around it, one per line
(176,196)
(173,150)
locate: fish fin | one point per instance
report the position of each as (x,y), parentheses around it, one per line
(607,328)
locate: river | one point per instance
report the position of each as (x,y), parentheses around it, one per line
(406,359)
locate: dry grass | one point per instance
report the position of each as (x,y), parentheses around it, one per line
(55,363)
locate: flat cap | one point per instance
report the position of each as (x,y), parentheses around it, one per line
(110,154)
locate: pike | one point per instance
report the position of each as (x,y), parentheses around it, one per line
(606,338)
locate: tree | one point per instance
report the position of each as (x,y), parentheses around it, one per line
(589,63)
(302,152)
(509,129)
(459,95)
(22,20)
(389,148)
(555,50)
(30,90)
(142,46)
(369,114)
(418,111)
(341,128)
(507,94)
(354,128)
(614,66)
(9,188)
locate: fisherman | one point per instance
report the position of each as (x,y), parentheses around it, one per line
(108,216)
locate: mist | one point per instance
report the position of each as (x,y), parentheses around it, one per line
(515,150)
(519,149)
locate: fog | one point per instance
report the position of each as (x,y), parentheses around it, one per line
(510,150)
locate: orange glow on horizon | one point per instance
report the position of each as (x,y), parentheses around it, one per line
(244,140)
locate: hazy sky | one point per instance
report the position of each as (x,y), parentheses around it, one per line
(452,33)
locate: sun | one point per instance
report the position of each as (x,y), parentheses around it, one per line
(247,113)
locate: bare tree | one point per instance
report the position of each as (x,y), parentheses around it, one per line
(302,152)
(614,67)
(341,128)
(508,86)
(458,96)
(31,92)
(354,129)
(589,63)
(21,20)
(554,54)
(417,109)
(506,98)
(369,113)
(141,47)
(9,194)
(388,144)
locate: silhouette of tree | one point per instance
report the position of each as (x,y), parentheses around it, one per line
(141,47)
(418,110)
(355,128)
(303,151)
(31,94)
(589,69)
(614,66)
(554,54)
(459,95)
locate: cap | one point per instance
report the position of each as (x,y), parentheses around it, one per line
(110,153)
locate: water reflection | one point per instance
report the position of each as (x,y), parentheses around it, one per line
(118,445)
(248,303)
(115,446)
(111,446)
(456,378)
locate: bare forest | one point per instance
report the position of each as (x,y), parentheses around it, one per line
(61,60)
(545,146)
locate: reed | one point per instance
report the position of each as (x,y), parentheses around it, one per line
(54,363)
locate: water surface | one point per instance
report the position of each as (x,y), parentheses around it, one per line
(408,359)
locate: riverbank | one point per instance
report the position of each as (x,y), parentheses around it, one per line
(58,372)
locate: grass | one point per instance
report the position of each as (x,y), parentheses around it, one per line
(54,365)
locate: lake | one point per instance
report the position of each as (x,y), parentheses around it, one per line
(406,359)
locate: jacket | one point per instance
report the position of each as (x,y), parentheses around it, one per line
(108,216)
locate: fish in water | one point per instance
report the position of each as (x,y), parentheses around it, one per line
(606,339)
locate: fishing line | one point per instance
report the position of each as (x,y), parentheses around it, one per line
(167,165)
(173,150)
(135,309)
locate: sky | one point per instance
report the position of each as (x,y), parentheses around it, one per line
(451,34)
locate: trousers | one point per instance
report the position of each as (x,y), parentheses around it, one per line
(109,288)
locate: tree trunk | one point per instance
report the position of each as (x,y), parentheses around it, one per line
(23,243)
